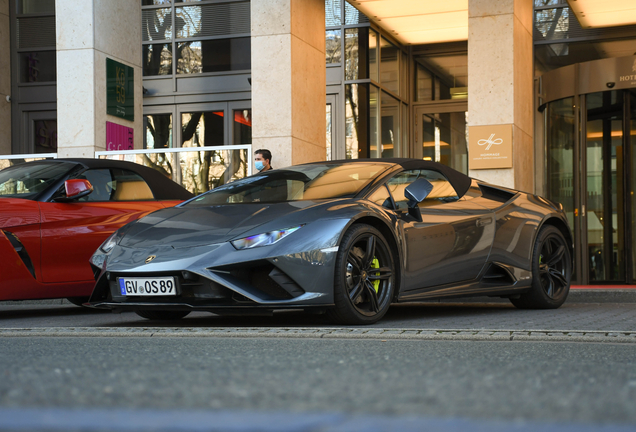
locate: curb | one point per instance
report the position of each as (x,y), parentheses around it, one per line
(333,333)
(576,295)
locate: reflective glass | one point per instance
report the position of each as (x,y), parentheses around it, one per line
(37,66)
(216,55)
(242,124)
(390,126)
(375,150)
(632,145)
(560,154)
(356,120)
(156,24)
(158,131)
(424,84)
(329,140)
(373,55)
(444,139)
(155,2)
(45,136)
(36,7)
(201,129)
(605,199)
(26,181)
(333,50)
(356,53)
(353,15)
(157,59)
(390,66)
(333,13)
(298,183)
(189,21)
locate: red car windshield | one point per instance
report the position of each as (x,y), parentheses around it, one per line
(30,179)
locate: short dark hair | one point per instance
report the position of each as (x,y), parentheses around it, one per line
(267,155)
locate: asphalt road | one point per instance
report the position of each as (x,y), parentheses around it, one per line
(571,316)
(510,381)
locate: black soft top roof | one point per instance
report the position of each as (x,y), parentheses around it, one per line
(161,186)
(460,182)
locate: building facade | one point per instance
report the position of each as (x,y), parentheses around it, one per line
(538,95)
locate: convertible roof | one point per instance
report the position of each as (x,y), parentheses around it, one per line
(460,182)
(161,189)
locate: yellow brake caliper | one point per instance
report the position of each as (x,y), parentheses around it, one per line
(376,264)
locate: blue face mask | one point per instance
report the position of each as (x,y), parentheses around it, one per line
(259,165)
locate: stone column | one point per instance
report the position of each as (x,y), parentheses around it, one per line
(288,79)
(500,82)
(5,79)
(88,32)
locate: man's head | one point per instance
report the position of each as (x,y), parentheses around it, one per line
(262,158)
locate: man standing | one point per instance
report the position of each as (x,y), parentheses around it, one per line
(263,160)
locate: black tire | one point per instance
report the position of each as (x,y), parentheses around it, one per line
(77,301)
(364,277)
(551,272)
(162,315)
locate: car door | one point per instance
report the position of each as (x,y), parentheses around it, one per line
(72,231)
(452,241)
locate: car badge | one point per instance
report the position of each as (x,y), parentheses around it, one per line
(150,258)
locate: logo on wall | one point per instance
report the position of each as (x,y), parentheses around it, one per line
(490,147)
(490,142)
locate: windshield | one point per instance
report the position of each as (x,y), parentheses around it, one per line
(298,183)
(30,179)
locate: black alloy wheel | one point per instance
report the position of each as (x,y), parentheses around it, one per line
(551,272)
(364,277)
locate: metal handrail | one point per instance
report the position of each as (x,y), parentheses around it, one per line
(30,156)
(247,147)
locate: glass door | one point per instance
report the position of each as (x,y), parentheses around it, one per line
(608,190)
(441,135)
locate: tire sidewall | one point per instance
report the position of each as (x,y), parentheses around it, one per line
(537,288)
(341,292)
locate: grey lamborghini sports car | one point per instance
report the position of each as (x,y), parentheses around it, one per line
(345,237)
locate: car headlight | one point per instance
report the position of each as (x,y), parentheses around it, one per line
(265,239)
(111,242)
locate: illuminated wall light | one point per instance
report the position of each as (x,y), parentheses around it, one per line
(438,153)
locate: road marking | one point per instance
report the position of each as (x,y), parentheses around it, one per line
(329,333)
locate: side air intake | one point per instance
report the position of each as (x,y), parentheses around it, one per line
(498,275)
(21,251)
(496,194)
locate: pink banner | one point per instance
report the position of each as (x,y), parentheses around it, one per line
(119,137)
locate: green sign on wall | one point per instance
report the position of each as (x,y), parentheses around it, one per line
(120,90)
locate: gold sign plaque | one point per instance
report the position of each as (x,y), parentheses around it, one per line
(490,147)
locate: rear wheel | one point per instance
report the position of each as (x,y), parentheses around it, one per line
(162,315)
(364,277)
(551,272)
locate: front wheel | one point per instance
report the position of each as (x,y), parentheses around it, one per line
(551,272)
(162,315)
(364,277)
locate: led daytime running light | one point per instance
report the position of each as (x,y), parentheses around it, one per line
(265,239)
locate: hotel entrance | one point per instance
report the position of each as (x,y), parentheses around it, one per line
(593,174)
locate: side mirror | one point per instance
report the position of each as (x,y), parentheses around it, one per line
(77,188)
(417,192)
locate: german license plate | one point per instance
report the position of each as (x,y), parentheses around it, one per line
(158,286)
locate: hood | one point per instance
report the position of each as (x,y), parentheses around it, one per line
(191,226)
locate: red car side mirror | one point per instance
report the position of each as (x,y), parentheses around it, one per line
(77,188)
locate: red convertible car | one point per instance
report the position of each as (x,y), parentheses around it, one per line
(55,213)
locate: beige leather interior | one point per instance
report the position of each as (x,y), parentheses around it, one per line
(132,191)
